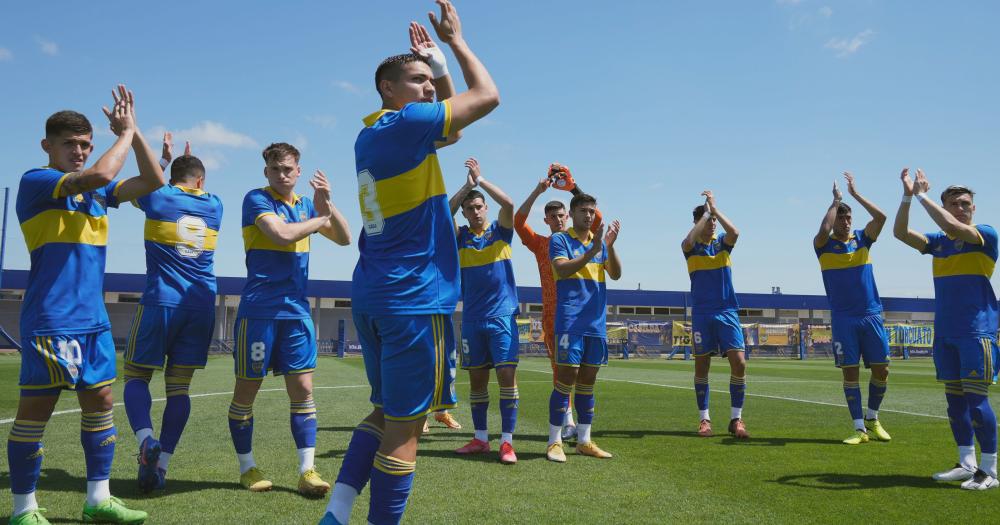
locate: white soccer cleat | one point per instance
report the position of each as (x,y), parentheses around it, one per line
(981,481)
(956,473)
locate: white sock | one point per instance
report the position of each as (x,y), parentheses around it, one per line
(967,457)
(859,424)
(871,414)
(736,413)
(555,434)
(164,460)
(988,463)
(306,459)
(482,435)
(508,437)
(568,421)
(341,502)
(24,503)
(142,434)
(246,461)
(583,433)
(703,414)
(98,491)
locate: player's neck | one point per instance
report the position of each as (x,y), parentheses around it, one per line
(584,234)
(842,238)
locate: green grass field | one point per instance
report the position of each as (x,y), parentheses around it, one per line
(793,470)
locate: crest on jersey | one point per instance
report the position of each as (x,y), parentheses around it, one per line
(853,244)
(78,197)
(302,215)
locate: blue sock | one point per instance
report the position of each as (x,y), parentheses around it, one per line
(737,391)
(392,480)
(852,392)
(175,414)
(360,455)
(303,422)
(958,414)
(509,397)
(24,455)
(876,391)
(479,402)
(701,392)
(558,403)
(584,402)
(138,401)
(984,421)
(241,427)
(98,436)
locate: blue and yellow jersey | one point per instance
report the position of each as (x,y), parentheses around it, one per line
(964,302)
(409,258)
(848,276)
(276,274)
(67,238)
(710,268)
(182,225)
(581,298)
(488,288)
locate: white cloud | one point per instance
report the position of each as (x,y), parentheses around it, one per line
(848,46)
(300,141)
(326,121)
(212,160)
(208,133)
(826,11)
(656,185)
(5,54)
(47,46)
(347,86)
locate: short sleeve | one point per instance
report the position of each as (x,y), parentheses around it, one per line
(989,239)
(38,185)
(863,240)
(460,234)
(933,241)
(426,122)
(505,234)
(110,192)
(559,247)
(723,245)
(255,206)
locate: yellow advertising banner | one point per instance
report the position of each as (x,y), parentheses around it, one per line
(821,334)
(777,334)
(681,334)
(530,330)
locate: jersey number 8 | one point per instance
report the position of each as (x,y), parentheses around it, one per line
(257,351)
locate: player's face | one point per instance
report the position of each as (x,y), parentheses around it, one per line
(961,207)
(68,151)
(558,220)
(710,230)
(842,225)
(583,216)
(282,174)
(413,85)
(475,212)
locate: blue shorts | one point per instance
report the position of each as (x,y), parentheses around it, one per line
(285,346)
(965,358)
(716,333)
(74,362)
(410,362)
(165,334)
(857,338)
(490,343)
(576,350)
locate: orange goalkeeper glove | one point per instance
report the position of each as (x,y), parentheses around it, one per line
(561,177)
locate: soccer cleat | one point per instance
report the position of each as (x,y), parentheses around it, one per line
(328,519)
(507,455)
(448,420)
(738,429)
(876,430)
(32,517)
(310,484)
(161,479)
(568,432)
(149,454)
(956,473)
(980,481)
(112,510)
(591,449)
(859,437)
(476,446)
(253,479)
(555,453)
(705,428)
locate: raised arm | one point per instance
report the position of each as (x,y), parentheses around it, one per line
(107,167)
(506,203)
(613,265)
(528,236)
(826,226)
(422,44)
(945,220)
(564,266)
(901,226)
(732,234)
(150,176)
(699,228)
(336,228)
(482,96)
(874,227)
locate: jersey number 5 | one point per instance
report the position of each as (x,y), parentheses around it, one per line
(371,213)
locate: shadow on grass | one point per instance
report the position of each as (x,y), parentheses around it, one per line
(840,481)
(721,438)
(489,457)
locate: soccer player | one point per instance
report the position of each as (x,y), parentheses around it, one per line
(858,331)
(65,332)
(406,282)
(580,260)
(965,321)
(274,330)
(715,321)
(175,318)
(489,309)
(556,219)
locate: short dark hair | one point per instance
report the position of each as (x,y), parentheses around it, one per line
(392,66)
(698,212)
(843,209)
(471,196)
(280,150)
(186,167)
(67,120)
(581,198)
(956,190)
(554,205)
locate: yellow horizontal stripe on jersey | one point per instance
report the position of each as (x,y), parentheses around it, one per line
(65,226)
(403,192)
(169,233)
(254,239)
(590,272)
(972,263)
(708,262)
(839,261)
(498,251)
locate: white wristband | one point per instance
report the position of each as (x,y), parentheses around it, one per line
(907,198)
(437,61)
(164,163)
(923,197)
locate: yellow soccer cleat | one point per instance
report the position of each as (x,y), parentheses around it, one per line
(876,430)
(859,437)
(555,453)
(447,420)
(591,449)
(253,480)
(310,484)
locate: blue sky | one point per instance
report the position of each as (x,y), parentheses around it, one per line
(765,102)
